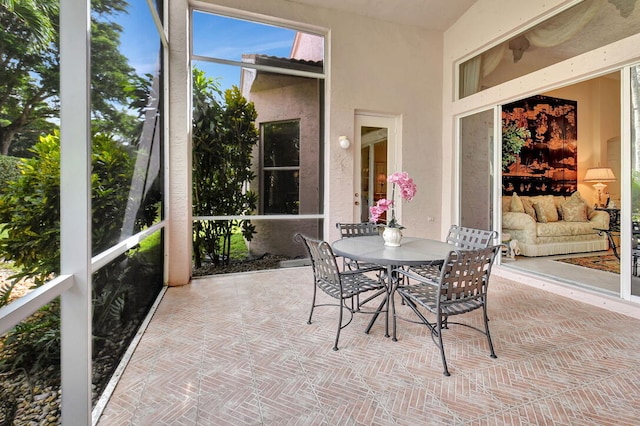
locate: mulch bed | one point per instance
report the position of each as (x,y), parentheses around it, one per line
(268,261)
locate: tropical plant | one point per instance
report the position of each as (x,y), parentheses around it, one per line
(30,206)
(514,137)
(29,211)
(9,170)
(224,136)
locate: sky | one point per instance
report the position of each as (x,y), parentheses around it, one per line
(213,36)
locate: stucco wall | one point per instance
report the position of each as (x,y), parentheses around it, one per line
(292,98)
(372,66)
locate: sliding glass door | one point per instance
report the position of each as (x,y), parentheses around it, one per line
(632,237)
(476,170)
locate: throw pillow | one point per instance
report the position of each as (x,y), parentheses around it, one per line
(540,213)
(576,197)
(546,207)
(528,208)
(516,204)
(574,212)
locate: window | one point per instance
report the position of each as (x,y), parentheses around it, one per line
(281,167)
(279,72)
(570,33)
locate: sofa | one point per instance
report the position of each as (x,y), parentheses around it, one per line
(547,225)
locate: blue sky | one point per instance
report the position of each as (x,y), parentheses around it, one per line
(213,36)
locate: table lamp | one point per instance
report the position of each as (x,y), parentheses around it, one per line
(599,175)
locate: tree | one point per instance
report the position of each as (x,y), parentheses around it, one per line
(25,52)
(29,69)
(223,139)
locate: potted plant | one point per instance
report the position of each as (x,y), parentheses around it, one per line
(514,137)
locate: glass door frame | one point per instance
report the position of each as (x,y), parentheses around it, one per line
(394,149)
(627,146)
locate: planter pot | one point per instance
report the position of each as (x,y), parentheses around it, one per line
(392,237)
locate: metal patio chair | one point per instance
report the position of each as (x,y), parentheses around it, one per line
(462,238)
(350,230)
(461,287)
(341,285)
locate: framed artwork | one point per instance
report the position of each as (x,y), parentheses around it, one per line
(546,163)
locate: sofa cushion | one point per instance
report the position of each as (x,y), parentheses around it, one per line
(574,211)
(564,229)
(516,204)
(545,207)
(576,197)
(528,208)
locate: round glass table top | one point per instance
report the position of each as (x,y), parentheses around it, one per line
(412,251)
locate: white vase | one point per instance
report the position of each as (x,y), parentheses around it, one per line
(392,237)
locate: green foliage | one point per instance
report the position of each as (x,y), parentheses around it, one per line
(635,195)
(30,206)
(224,136)
(29,211)
(34,344)
(513,139)
(238,246)
(112,170)
(9,170)
(29,53)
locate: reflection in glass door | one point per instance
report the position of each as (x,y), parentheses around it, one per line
(635,180)
(476,170)
(373,170)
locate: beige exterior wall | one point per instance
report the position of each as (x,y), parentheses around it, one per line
(372,66)
(290,98)
(376,66)
(178,201)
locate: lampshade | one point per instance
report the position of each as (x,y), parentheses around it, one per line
(599,174)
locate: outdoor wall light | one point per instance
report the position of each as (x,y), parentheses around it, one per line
(344,142)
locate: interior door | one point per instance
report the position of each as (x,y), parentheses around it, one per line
(376,146)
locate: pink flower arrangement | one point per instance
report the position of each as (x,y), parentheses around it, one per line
(407,191)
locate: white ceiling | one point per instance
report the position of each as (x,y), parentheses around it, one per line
(429,14)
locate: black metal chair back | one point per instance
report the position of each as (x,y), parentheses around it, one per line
(339,285)
(463,238)
(348,230)
(461,287)
(470,238)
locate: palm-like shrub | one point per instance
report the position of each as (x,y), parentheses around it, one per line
(30,217)
(223,140)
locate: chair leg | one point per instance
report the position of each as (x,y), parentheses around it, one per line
(486,330)
(438,330)
(313,303)
(335,346)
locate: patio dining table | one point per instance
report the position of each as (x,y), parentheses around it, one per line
(412,252)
